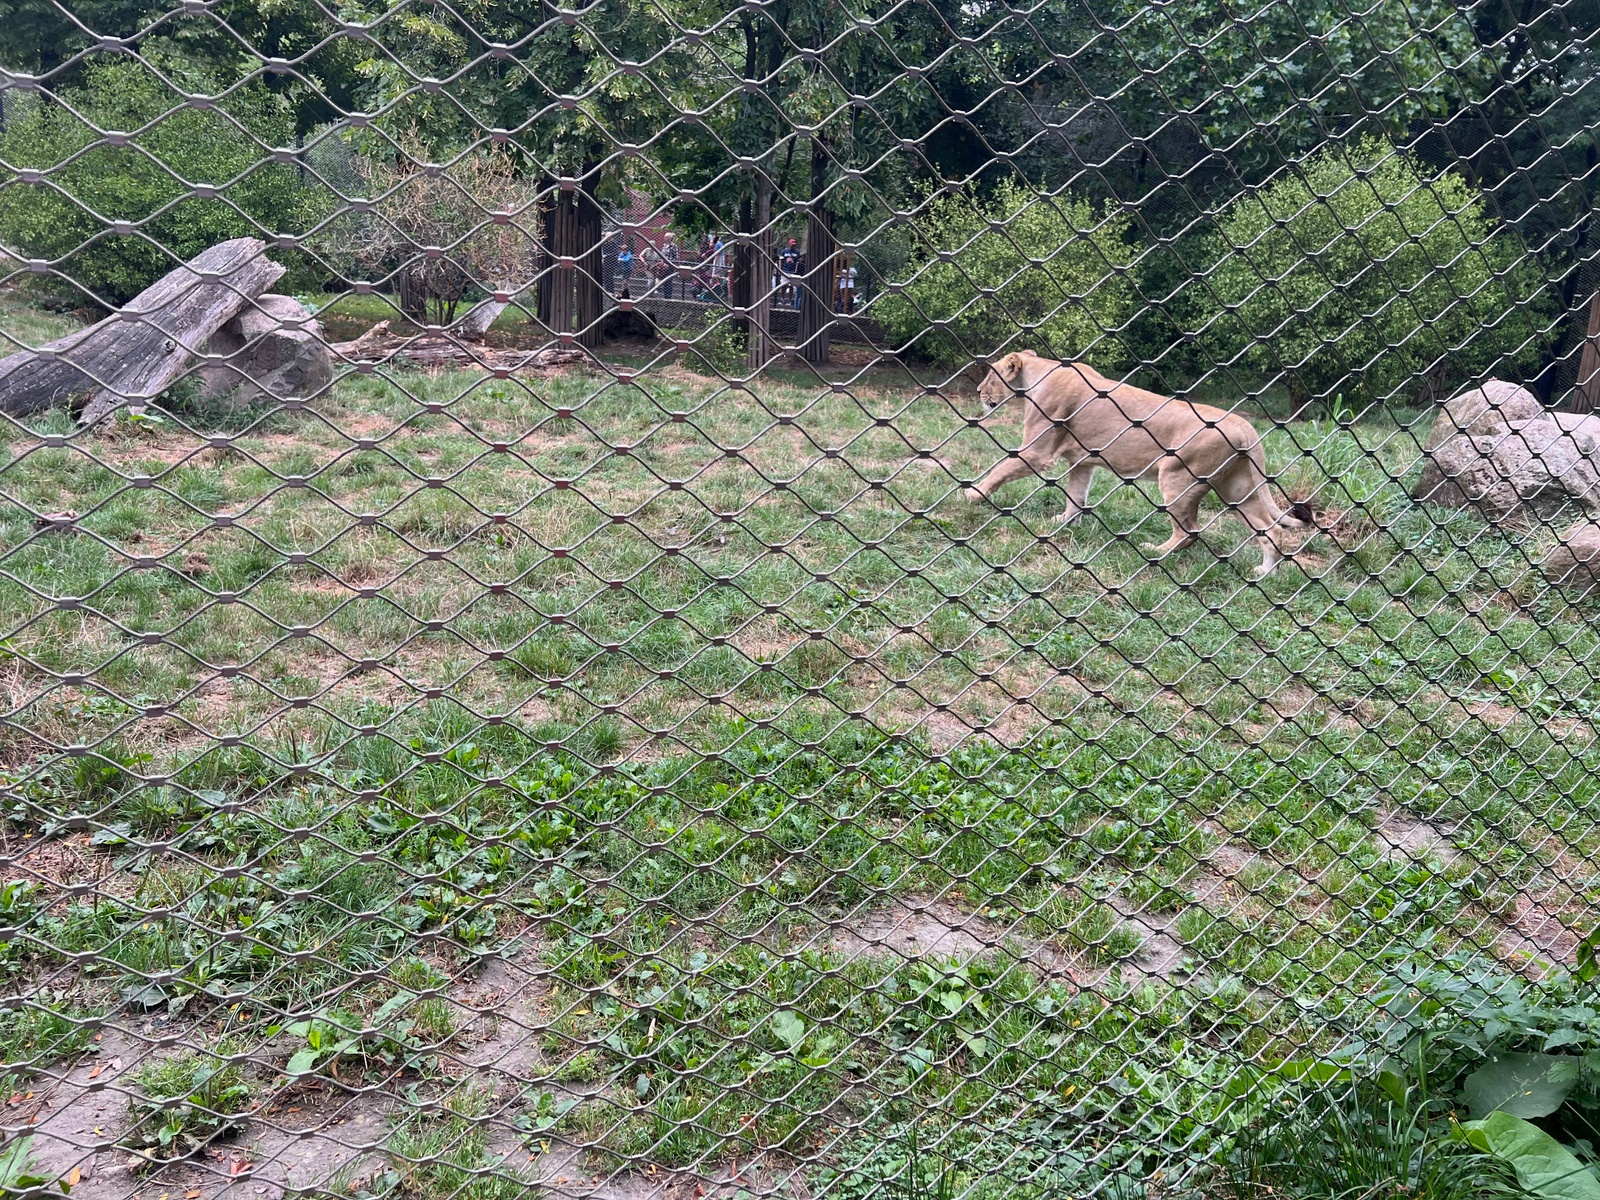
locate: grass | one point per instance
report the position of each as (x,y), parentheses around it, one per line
(667,682)
(186,1103)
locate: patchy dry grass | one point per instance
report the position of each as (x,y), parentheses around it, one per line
(678,691)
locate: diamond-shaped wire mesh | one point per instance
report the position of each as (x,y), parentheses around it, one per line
(795,598)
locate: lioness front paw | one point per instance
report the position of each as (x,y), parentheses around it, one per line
(973,495)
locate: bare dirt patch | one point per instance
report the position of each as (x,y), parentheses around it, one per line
(1537,934)
(1162,954)
(1406,837)
(918,927)
(77,1115)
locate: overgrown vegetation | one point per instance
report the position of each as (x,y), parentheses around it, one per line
(1183,849)
(981,272)
(1364,271)
(113,215)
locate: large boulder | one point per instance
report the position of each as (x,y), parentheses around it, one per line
(273,348)
(1484,410)
(1498,450)
(1574,562)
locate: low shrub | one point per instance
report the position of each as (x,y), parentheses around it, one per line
(1016,270)
(88,184)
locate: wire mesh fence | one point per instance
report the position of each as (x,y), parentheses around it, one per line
(798,599)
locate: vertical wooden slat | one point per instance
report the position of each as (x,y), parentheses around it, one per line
(1586,394)
(816,306)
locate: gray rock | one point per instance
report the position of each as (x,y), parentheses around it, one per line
(1574,563)
(273,348)
(1495,405)
(1496,449)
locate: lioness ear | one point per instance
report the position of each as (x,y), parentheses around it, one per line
(1008,367)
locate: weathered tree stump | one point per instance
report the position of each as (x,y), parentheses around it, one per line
(134,355)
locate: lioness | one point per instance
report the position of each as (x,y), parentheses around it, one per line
(1076,414)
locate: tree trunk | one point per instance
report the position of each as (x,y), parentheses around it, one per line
(545,261)
(571,300)
(763,264)
(589,303)
(413,297)
(133,356)
(742,284)
(816,306)
(1586,392)
(557,290)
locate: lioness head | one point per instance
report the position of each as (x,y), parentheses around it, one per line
(1001,381)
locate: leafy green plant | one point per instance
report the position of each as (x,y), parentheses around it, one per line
(1017,270)
(17,1177)
(326,1039)
(1366,268)
(1338,1137)
(1470,1036)
(90,182)
(1544,1167)
(717,350)
(188,1103)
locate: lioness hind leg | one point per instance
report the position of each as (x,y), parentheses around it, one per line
(1254,504)
(1182,493)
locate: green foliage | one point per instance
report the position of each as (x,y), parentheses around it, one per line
(1461,1035)
(1300,68)
(1366,1139)
(1363,269)
(41,1031)
(717,350)
(1019,270)
(89,184)
(188,1102)
(17,1170)
(1545,1168)
(387,1038)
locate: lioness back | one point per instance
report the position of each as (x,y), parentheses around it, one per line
(1133,431)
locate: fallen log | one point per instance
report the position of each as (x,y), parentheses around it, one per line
(369,345)
(134,355)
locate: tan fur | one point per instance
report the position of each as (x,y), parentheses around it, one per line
(1078,416)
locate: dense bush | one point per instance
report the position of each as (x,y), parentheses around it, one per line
(1364,271)
(89,184)
(1020,270)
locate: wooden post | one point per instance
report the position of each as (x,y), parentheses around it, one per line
(816,305)
(1586,392)
(763,265)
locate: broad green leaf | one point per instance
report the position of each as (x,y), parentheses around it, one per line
(390,1006)
(790,1028)
(1393,1085)
(14,1160)
(1544,1167)
(1524,1085)
(303,1062)
(1311,1070)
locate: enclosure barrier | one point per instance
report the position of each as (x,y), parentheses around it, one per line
(792,599)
